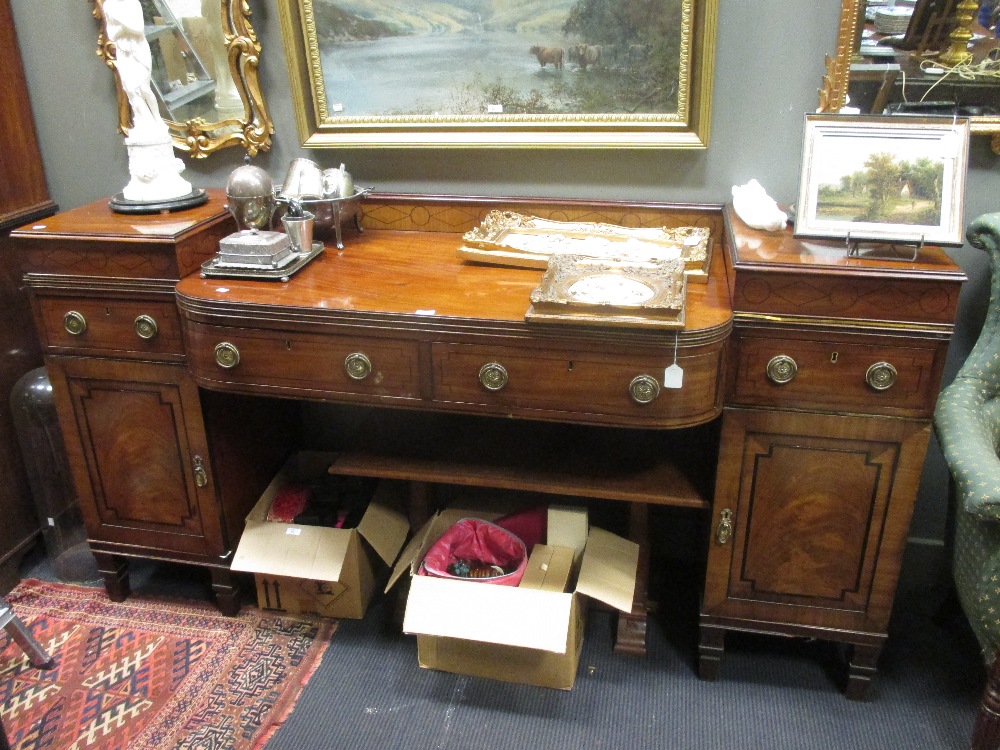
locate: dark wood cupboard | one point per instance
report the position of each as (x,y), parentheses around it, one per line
(24,197)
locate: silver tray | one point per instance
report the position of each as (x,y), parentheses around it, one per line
(211,268)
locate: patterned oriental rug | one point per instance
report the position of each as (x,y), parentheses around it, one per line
(148,674)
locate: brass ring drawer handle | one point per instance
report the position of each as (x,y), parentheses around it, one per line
(358,366)
(493,376)
(74,323)
(643,389)
(145,327)
(781,369)
(881,376)
(227,356)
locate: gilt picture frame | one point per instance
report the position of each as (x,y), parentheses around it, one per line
(883,179)
(512,74)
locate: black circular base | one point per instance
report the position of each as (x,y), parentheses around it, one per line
(122,205)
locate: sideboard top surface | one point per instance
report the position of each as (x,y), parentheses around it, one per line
(780,251)
(97,221)
(416,276)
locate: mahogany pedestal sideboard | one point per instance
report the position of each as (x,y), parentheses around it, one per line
(179,395)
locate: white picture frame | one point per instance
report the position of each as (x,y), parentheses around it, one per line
(883,179)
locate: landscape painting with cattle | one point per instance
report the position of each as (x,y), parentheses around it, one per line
(457,58)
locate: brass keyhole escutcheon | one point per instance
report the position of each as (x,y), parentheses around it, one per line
(781,369)
(493,376)
(358,366)
(74,323)
(881,376)
(643,389)
(227,356)
(200,475)
(725,531)
(145,327)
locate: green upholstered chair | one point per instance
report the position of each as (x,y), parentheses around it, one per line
(967,422)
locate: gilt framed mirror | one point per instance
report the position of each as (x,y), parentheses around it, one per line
(205,60)
(917,57)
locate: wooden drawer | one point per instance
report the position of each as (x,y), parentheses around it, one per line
(834,374)
(303,364)
(108,325)
(581,383)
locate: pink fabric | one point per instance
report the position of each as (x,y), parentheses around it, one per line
(477,542)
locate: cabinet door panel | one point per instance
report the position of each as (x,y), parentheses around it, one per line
(134,435)
(820,508)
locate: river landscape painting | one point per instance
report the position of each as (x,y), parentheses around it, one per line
(481,57)
(613,65)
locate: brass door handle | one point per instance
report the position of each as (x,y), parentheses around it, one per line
(145,327)
(493,376)
(881,376)
(725,530)
(74,323)
(781,369)
(227,356)
(643,389)
(358,366)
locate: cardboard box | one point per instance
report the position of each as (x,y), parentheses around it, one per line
(533,633)
(319,570)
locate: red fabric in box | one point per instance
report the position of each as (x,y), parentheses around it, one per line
(290,500)
(476,541)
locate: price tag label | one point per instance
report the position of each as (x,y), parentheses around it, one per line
(673,376)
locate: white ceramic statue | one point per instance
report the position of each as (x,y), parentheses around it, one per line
(756,208)
(154,170)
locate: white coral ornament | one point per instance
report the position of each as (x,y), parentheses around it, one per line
(756,208)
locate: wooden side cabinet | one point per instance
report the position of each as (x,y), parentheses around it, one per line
(809,525)
(153,479)
(834,368)
(138,431)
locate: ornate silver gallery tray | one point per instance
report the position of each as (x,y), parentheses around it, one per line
(512,239)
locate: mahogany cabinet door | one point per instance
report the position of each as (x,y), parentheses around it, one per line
(810,517)
(136,443)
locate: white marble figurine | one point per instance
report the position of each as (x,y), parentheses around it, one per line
(154,170)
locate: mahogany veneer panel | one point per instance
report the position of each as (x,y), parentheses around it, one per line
(23,192)
(777,274)
(94,241)
(424,213)
(822,506)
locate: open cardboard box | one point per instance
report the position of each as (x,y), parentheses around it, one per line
(319,570)
(532,633)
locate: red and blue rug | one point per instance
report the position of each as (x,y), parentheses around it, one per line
(147,674)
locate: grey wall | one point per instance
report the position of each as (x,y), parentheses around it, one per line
(769,65)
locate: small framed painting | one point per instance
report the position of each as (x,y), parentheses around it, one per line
(884,179)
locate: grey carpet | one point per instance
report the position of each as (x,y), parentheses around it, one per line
(772,694)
